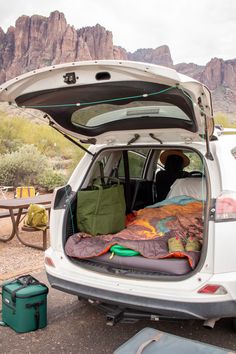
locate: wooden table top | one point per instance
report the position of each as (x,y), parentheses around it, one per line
(25,202)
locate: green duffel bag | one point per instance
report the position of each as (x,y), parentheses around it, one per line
(101,209)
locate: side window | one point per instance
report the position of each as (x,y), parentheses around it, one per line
(196,163)
(136,164)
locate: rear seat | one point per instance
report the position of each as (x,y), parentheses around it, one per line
(194,187)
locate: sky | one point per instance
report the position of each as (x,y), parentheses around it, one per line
(195,31)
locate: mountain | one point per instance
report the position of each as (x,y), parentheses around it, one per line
(39,41)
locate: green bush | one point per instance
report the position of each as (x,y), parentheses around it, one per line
(18,130)
(22,167)
(51,179)
(47,148)
(8,145)
(222,119)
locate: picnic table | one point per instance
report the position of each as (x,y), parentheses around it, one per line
(18,206)
(4,190)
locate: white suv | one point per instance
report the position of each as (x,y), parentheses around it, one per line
(129,113)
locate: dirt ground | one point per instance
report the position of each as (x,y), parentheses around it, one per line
(15,258)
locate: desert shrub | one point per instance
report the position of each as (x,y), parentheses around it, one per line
(50,179)
(9,135)
(15,131)
(22,167)
(195,162)
(222,119)
(8,145)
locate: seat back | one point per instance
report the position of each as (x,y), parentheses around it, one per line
(194,187)
(25,192)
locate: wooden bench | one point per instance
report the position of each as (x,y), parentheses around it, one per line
(6,214)
(14,208)
(34,229)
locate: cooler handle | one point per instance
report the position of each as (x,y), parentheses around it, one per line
(37,313)
(155,338)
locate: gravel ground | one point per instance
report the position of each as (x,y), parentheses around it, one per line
(15,258)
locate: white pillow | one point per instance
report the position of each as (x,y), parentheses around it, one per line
(194,187)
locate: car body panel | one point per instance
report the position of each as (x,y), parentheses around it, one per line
(163,308)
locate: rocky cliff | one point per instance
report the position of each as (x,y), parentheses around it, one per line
(220,77)
(38,41)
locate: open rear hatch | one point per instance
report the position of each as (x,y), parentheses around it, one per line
(115,101)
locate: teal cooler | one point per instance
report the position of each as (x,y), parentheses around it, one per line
(24,304)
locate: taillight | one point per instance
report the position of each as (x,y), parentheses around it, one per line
(226,206)
(48,261)
(212,289)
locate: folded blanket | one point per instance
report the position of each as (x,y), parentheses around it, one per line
(152,222)
(180,200)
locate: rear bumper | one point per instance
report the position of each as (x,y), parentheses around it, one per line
(162,308)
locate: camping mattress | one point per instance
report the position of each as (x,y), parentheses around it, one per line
(167,266)
(148,232)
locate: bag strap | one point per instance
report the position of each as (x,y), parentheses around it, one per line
(98,186)
(155,338)
(101,167)
(13,294)
(95,182)
(36,306)
(127,181)
(25,281)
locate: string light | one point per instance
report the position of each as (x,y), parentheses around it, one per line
(118,99)
(80,104)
